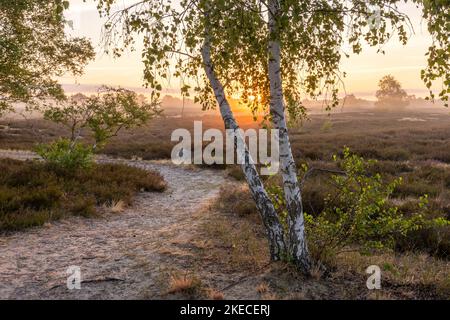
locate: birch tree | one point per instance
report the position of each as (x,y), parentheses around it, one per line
(278,51)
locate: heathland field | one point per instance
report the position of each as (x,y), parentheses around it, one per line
(223,251)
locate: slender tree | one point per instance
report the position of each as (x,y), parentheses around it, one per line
(104,114)
(276,50)
(34,49)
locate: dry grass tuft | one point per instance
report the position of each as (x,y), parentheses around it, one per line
(183,284)
(215,295)
(116,206)
(317,272)
(262,288)
(235,243)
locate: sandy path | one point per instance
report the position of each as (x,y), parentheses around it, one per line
(121,256)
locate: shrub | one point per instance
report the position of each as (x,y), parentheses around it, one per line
(326,126)
(358,213)
(147,151)
(433,238)
(66,154)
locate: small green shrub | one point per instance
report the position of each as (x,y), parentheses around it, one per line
(357,212)
(66,154)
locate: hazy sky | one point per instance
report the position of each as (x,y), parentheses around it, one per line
(363,71)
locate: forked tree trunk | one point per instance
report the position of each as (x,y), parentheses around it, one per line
(264,205)
(298,249)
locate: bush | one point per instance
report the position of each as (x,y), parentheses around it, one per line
(415,187)
(66,154)
(357,212)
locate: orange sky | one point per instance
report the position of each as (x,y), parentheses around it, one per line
(363,71)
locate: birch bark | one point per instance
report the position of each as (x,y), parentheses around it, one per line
(264,205)
(297,246)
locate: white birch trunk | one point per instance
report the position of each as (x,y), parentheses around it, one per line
(265,207)
(297,247)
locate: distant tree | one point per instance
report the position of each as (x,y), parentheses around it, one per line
(277,50)
(351,100)
(390,93)
(34,49)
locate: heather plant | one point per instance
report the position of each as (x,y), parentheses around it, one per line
(66,154)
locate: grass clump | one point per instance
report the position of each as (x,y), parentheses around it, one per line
(236,199)
(32,193)
(186,286)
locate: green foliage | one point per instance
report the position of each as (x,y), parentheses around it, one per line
(34,49)
(311,33)
(357,212)
(66,154)
(104,115)
(436,13)
(360,213)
